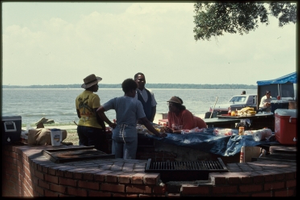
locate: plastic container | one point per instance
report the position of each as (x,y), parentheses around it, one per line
(224,132)
(262,134)
(56,137)
(285,126)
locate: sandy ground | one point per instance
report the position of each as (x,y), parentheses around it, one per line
(72,129)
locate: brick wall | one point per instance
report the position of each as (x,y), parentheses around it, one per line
(26,174)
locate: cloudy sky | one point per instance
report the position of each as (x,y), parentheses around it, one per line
(62,43)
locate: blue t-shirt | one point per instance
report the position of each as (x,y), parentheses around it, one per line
(128,111)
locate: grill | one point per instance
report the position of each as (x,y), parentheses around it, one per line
(61,155)
(185,170)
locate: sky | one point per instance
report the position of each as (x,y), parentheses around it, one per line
(62,43)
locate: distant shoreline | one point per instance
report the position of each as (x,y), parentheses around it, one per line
(149,85)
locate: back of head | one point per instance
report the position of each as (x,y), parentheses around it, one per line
(128,85)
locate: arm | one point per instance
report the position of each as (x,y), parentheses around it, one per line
(168,128)
(78,113)
(100,112)
(153,113)
(149,126)
(99,120)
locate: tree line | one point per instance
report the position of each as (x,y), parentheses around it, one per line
(149,85)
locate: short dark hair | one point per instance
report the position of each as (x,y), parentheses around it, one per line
(137,74)
(128,85)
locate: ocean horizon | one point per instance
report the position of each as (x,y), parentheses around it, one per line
(59,103)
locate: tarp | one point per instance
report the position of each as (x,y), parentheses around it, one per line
(292,78)
(206,141)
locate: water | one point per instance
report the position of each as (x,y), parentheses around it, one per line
(59,104)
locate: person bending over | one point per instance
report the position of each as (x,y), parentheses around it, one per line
(180,118)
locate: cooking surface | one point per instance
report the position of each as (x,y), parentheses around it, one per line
(185,170)
(75,154)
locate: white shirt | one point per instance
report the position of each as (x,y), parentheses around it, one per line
(264,100)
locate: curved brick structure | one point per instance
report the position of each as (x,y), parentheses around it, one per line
(27,173)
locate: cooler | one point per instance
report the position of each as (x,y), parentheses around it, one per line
(285,126)
(11,129)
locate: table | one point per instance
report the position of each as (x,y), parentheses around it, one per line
(221,123)
(258,121)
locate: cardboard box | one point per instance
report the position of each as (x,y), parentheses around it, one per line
(247,153)
(11,129)
(285,126)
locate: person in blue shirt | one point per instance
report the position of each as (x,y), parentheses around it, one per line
(128,111)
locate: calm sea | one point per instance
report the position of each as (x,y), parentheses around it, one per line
(59,104)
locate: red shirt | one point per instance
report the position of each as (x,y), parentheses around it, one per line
(186,119)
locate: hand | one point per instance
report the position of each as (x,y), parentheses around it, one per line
(177,131)
(113,125)
(167,129)
(161,135)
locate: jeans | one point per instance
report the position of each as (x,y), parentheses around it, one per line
(125,142)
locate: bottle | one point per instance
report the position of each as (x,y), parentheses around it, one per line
(241,130)
(229,111)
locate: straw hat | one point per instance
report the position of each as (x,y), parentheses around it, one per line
(175,99)
(90,80)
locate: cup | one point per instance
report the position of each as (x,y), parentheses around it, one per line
(56,137)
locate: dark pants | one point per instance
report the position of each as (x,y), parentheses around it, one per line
(89,136)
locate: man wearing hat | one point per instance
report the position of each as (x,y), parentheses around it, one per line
(265,102)
(180,118)
(91,128)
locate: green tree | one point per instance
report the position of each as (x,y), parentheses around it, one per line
(214,19)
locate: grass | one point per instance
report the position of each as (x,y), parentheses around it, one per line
(71,134)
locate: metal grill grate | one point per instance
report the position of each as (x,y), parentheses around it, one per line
(185,170)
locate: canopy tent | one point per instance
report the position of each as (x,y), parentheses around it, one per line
(282,86)
(292,78)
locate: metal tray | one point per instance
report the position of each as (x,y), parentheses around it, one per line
(75,154)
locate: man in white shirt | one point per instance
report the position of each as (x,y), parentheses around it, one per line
(265,102)
(145,96)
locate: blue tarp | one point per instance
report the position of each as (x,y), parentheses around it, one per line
(206,141)
(292,78)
